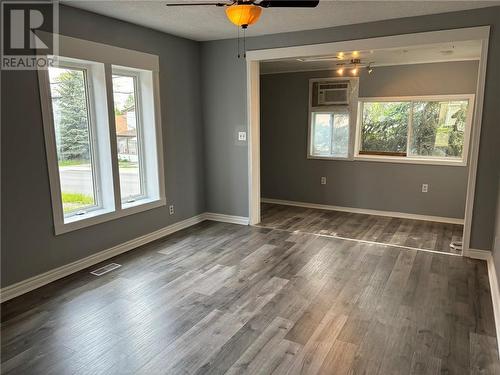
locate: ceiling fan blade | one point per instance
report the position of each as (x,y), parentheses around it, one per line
(288,3)
(197,4)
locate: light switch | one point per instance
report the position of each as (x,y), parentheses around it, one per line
(242,136)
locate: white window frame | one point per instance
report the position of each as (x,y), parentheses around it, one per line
(76,52)
(416,159)
(86,68)
(352,109)
(139,126)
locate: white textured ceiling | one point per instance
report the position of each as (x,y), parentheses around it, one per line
(209,22)
(428,53)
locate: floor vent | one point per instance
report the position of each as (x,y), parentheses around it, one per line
(105,269)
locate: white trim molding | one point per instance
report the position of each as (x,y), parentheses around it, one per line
(494,290)
(253,105)
(479,254)
(402,215)
(393,41)
(241,220)
(45,278)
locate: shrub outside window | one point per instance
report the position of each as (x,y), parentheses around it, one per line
(385,128)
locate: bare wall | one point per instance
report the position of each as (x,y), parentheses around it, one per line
(224,108)
(29,246)
(360,184)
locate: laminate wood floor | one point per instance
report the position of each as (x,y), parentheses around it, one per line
(221,298)
(419,234)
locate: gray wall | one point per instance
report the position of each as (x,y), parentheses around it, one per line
(29,246)
(459,77)
(224,108)
(361,184)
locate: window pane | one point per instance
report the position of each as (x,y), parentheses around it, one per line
(438,128)
(340,140)
(127,137)
(72,132)
(322,134)
(385,127)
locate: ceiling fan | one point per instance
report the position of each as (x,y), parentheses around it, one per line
(243,13)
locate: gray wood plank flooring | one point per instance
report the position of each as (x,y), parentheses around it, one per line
(388,230)
(220,298)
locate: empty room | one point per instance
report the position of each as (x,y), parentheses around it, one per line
(250,187)
(378,142)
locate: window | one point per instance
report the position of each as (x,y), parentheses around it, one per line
(385,128)
(330,134)
(98,117)
(416,129)
(330,124)
(128,137)
(438,128)
(75,161)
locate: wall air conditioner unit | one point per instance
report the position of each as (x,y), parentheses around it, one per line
(333,93)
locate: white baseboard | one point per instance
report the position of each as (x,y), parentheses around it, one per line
(495,291)
(495,296)
(478,254)
(366,211)
(226,218)
(38,281)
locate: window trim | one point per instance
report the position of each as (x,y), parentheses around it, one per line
(352,109)
(359,156)
(105,56)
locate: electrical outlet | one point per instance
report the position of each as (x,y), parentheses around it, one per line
(425,188)
(242,136)
(171,209)
(323,180)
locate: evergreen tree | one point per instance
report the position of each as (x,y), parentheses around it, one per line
(73,125)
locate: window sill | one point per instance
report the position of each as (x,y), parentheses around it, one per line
(103,215)
(409,160)
(315,157)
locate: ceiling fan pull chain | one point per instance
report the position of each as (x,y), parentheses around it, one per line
(245,43)
(237,28)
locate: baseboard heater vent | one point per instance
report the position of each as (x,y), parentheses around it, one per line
(105,269)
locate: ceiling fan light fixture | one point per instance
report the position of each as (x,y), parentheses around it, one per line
(243,15)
